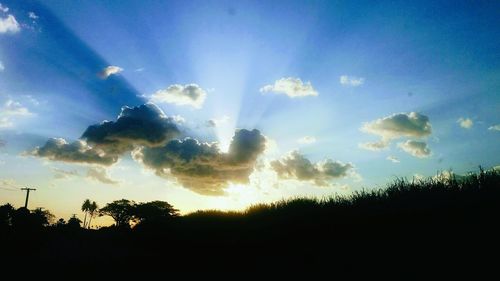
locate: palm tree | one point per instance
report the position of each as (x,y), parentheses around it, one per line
(92,211)
(85,208)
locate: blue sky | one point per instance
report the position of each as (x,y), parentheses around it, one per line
(332,68)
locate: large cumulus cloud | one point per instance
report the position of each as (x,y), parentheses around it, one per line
(104,143)
(144,125)
(202,167)
(296,166)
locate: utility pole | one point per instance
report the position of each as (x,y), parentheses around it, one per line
(27,195)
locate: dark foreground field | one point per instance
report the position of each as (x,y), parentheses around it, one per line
(408,229)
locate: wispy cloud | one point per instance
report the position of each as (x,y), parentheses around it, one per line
(110,70)
(32,15)
(190,94)
(2,68)
(494,127)
(307,140)
(351,81)
(3,8)
(465,123)
(393,159)
(99,174)
(374,146)
(292,87)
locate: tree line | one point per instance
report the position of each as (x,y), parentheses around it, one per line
(124,212)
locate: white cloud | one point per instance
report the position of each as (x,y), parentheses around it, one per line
(393,159)
(110,70)
(296,166)
(3,8)
(292,87)
(306,140)
(2,68)
(494,127)
(9,25)
(351,81)
(32,15)
(374,146)
(399,125)
(416,148)
(12,107)
(190,94)
(465,123)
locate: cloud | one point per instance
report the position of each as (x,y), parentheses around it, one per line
(2,68)
(392,159)
(465,123)
(110,70)
(9,25)
(374,146)
(216,122)
(2,143)
(292,87)
(12,107)
(190,94)
(5,122)
(144,125)
(99,174)
(58,149)
(306,140)
(202,167)
(3,8)
(399,125)
(32,15)
(416,148)
(494,128)
(296,166)
(351,81)
(10,110)
(64,174)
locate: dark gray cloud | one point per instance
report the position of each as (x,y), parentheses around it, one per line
(202,167)
(58,149)
(104,143)
(296,166)
(144,125)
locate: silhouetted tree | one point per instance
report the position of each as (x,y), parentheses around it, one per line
(6,212)
(155,212)
(74,222)
(122,211)
(93,209)
(60,223)
(22,218)
(42,217)
(85,208)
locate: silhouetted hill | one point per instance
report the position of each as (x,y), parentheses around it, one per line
(409,228)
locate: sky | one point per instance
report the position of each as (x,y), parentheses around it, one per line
(225,104)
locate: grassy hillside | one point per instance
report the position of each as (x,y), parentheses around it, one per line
(445,224)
